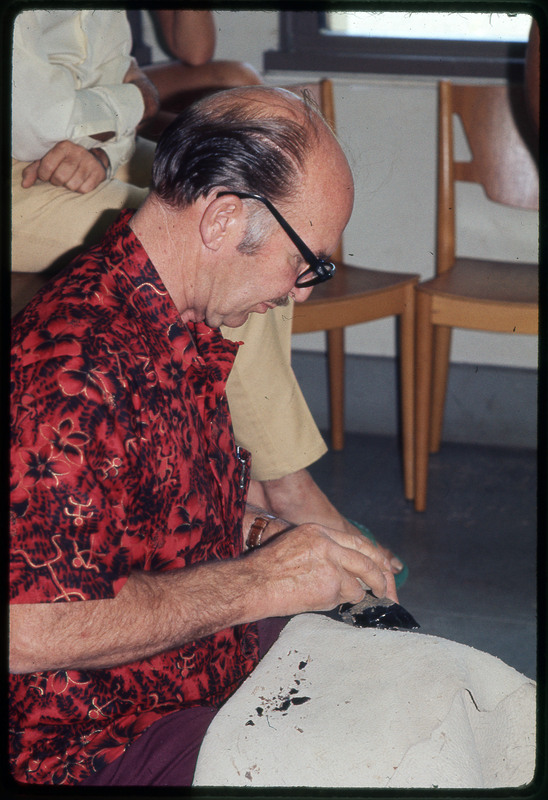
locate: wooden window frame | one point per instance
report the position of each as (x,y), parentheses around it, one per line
(304,47)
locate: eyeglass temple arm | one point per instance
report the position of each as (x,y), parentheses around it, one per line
(305,251)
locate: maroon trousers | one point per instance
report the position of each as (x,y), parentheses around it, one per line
(166,753)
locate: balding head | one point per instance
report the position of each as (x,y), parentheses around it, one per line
(250,190)
(251,139)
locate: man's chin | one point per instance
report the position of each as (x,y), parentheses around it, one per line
(237,320)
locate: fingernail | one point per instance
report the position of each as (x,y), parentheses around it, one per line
(397,564)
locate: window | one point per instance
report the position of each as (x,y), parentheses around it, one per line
(456,25)
(403,42)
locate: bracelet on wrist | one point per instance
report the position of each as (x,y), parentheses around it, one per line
(95,153)
(256,531)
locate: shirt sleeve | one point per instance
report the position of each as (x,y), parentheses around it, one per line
(73,477)
(52,101)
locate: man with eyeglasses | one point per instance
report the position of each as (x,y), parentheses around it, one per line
(77,102)
(143,588)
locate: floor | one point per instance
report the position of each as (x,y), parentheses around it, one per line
(472,556)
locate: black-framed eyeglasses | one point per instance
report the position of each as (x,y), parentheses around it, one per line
(319,269)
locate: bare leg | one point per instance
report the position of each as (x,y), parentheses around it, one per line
(179,85)
(172,78)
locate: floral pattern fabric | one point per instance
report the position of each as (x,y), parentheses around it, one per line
(122,459)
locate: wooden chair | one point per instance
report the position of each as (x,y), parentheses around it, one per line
(353,296)
(472,293)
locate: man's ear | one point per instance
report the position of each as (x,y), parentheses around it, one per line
(223,217)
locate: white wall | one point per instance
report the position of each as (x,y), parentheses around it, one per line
(388,129)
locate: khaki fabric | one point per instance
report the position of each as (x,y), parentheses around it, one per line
(50,224)
(269,413)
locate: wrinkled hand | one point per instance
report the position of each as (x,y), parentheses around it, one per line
(67,164)
(149,92)
(313,568)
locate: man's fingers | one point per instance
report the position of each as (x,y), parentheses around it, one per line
(391,591)
(66,164)
(30,174)
(313,568)
(78,174)
(367,563)
(362,570)
(356,590)
(362,559)
(355,541)
(64,175)
(85,178)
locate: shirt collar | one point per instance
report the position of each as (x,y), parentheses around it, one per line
(196,341)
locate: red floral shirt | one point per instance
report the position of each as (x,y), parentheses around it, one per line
(122,459)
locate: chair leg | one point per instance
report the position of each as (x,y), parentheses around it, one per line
(335,362)
(423,384)
(440,370)
(407,372)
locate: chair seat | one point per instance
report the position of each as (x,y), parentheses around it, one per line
(488,281)
(472,293)
(354,295)
(357,295)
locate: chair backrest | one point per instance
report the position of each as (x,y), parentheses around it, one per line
(495,121)
(321,93)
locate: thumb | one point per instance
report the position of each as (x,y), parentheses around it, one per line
(30,173)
